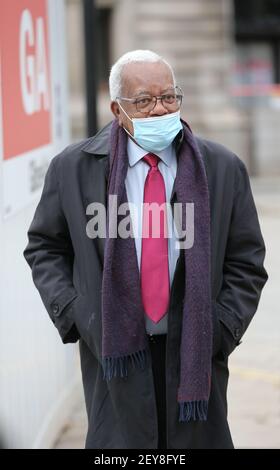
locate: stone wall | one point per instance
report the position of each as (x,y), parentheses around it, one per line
(196,37)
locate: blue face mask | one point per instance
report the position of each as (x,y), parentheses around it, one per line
(155,133)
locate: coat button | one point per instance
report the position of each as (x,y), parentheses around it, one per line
(237,333)
(55,309)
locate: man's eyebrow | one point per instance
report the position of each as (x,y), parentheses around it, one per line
(146,92)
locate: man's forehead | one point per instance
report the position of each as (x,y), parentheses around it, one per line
(140,77)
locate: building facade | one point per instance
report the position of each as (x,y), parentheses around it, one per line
(215,64)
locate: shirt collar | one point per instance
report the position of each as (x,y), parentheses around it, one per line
(135,153)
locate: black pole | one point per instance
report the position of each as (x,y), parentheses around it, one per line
(90,31)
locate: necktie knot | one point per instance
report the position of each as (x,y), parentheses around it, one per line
(151,159)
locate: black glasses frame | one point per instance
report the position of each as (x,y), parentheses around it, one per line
(178,93)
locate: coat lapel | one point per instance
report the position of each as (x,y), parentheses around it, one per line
(98,147)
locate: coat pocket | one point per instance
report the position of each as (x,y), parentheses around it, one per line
(227,339)
(63,318)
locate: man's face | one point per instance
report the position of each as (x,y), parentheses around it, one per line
(138,79)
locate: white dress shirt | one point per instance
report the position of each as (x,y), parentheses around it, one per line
(134,183)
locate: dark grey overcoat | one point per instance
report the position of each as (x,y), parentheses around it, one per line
(67,270)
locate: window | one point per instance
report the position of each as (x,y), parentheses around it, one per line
(256,74)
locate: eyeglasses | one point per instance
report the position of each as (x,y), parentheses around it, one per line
(170,100)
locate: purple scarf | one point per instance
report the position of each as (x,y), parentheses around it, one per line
(124,339)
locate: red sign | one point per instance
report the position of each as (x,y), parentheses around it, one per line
(25,76)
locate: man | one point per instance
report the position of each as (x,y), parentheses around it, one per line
(156,316)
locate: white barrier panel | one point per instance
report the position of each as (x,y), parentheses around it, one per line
(37,371)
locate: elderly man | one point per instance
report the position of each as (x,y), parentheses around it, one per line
(156,316)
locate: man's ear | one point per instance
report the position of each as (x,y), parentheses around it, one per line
(115,109)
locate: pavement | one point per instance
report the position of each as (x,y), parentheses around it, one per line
(73,434)
(254,383)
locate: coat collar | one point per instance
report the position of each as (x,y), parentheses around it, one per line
(99,143)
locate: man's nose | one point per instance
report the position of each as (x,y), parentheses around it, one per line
(159,109)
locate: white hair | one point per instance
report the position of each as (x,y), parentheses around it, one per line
(115,78)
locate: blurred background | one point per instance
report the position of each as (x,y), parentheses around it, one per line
(55,58)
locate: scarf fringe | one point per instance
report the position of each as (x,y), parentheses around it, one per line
(193,410)
(118,366)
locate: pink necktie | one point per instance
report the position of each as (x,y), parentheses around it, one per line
(154,256)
